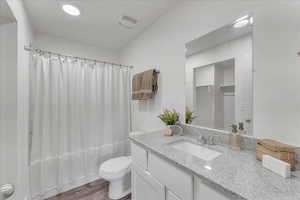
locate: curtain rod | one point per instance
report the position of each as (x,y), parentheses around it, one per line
(28,48)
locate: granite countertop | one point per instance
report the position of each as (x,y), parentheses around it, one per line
(236,171)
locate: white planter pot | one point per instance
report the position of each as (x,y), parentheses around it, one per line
(176,130)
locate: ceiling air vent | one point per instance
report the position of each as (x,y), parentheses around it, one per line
(127,21)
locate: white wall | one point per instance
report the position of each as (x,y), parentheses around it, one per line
(69,47)
(24,36)
(8,102)
(241,50)
(277,77)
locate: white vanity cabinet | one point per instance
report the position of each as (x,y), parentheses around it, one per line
(146,187)
(175,179)
(139,156)
(206,191)
(171,196)
(154,178)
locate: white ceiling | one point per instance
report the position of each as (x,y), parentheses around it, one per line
(6,15)
(98,22)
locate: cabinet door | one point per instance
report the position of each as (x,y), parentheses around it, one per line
(205,190)
(145,187)
(138,155)
(172,196)
(174,178)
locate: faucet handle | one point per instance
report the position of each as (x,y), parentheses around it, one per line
(211,140)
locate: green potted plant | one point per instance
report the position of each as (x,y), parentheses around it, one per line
(170,118)
(189,116)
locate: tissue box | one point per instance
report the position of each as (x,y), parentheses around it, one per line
(277,166)
(277,150)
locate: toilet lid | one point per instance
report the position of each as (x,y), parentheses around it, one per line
(116,165)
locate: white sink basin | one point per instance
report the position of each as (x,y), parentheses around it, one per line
(196,150)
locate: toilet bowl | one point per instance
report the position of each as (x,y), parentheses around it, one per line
(118,172)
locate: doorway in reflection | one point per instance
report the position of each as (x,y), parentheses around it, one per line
(214,87)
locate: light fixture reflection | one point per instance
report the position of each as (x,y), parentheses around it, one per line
(242,18)
(241,24)
(243,21)
(207,167)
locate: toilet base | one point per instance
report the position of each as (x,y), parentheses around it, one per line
(119,188)
(117,195)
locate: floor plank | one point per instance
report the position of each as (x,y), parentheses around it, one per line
(96,190)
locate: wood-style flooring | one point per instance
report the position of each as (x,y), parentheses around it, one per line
(96,190)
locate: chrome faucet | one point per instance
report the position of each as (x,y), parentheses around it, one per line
(206,140)
(201,139)
(211,140)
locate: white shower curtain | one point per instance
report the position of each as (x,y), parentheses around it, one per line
(80,116)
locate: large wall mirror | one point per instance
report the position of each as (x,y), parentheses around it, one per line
(219,76)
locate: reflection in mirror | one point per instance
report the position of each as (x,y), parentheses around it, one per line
(219,76)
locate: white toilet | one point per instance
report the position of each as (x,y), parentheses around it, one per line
(118,172)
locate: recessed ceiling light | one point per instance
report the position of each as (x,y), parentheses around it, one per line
(71,10)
